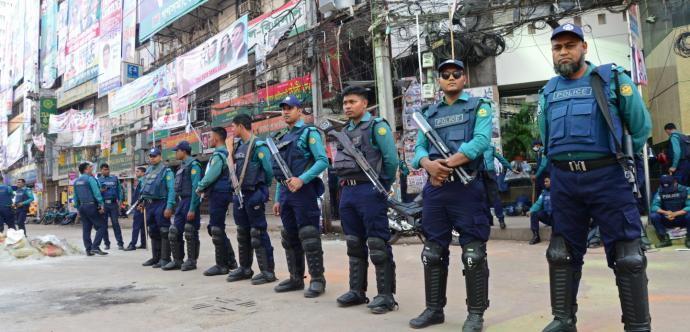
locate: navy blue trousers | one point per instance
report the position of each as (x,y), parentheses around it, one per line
(6,217)
(681,175)
(539,216)
(297,210)
(91,219)
(217,209)
(253,215)
(112,211)
(181,218)
(138,228)
(155,217)
(661,223)
(364,213)
(21,217)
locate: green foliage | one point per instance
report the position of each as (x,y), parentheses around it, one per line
(518,132)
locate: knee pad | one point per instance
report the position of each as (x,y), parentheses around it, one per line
(355,247)
(558,252)
(153,233)
(165,230)
(172,233)
(432,254)
(217,235)
(310,238)
(629,256)
(474,254)
(285,239)
(256,237)
(378,250)
(189,231)
(243,234)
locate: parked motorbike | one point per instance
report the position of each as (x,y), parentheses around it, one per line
(405,219)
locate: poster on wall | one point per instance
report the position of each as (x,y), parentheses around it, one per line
(82,65)
(155,15)
(49,43)
(217,56)
(129,30)
(490,92)
(84,17)
(143,91)
(14,147)
(17,46)
(88,137)
(110,42)
(62,32)
(169,113)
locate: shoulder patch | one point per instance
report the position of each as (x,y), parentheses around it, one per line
(168,177)
(261,155)
(483,112)
(193,171)
(312,140)
(382,131)
(626,90)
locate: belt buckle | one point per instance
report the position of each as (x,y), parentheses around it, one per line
(351,182)
(577,166)
(108,201)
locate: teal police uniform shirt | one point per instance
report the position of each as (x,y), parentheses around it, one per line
(633,113)
(311,145)
(481,138)
(538,205)
(28,193)
(196,177)
(95,189)
(656,202)
(214,168)
(262,155)
(169,180)
(383,140)
(675,146)
(541,168)
(489,156)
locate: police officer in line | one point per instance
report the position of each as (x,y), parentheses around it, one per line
(158,193)
(588,182)
(216,187)
(541,211)
(112,195)
(23,198)
(89,203)
(296,203)
(464,124)
(542,168)
(490,170)
(187,214)
(138,219)
(363,210)
(6,213)
(670,209)
(678,151)
(254,171)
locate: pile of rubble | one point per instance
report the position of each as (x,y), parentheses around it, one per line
(15,245)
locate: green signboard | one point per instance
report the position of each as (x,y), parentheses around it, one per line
(154,15)
(48,107)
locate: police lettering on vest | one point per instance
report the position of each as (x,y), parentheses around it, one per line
(573,117)
(674,200)
(5,196)
(292,154)
(183,179)
(154,186)
(110,184)
(254,174)
(83,190)
(345,165)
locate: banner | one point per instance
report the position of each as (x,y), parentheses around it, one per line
(169,143)
(143,91)
(31,42)
(639,68)
(274,124)
(48,106)
(154,15)
(3,141)
(129,31)
(49,43)
(70,121)
(88,137)
(110,42)
(82,65)
(17,45)
(15,147)
(62,32)
(39,141)
(59,123)
(169,113)
(106,134)
(84,17)
(292,14)
(216,57)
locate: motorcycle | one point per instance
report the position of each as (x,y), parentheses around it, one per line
(405,219)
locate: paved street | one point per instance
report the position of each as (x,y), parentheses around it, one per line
(115,293)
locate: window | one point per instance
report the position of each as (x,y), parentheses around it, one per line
(602,19)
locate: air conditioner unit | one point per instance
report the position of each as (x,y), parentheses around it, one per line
(251,7)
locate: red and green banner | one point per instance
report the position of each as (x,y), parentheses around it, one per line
(170,142)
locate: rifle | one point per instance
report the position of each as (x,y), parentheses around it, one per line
(134,206)
(233,179)
(433,137)
(278,158)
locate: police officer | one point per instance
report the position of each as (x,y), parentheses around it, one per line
(23,198)
(363,210)
(112,195)
(670,208)
(588,182)
(302,149)
(253,169)
(6,213)
(541,211)
(187,215)
(678,150)
(89,202)
(542,169)
(216,186)
(464,124)
(158,193)
(138,219)
(490,170)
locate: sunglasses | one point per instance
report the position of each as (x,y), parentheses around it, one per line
(456,74)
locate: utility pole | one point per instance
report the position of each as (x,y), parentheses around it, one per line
(382,63)
(316,97)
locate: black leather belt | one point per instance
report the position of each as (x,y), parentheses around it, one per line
(348,182)
(584,165)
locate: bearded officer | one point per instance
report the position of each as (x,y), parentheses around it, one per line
(363,210)
(587,181)
(158,193)
(464,124)
(302,149)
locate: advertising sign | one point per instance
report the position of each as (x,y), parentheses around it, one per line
(15,147)
(48,106)
(32,22)
(293,13)
(129,30)
(82,65)
(49,43)
(109,52)
(84,17)
(143,91)
(155,15)
(170,142)
(216,57)
(62,32)
(169,113)
(17,30)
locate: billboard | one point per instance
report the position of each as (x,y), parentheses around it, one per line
(84,17)
(81,65)
(292,15)
(17,45)
(62,32)
(15,147)
(169,113)
(49,43)
(129,30)
(110,42)
(155,15)
(143,91)
(31,42)
(216,57)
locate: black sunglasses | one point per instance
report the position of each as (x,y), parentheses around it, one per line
(456,74)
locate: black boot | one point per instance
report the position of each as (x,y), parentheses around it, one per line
(220,243)
(664,241)
(502,223)
(177,249)
(476,274)
(535,238)
(165,248)
(295,263)
(130,247)
(385,276)
(311,244)
(435,281)
(155,248)
(358,273)
(631,278)
(266,264)
(562,278)
(244,249)
(191,235)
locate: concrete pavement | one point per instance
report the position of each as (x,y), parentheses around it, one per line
(115,293)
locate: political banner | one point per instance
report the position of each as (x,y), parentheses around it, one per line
(216,57)
(70,121)
(291,15)
(84,18)
(82,65)
(49,43)
(110,42)
(62,32)
(106,134)
(14,147)
(31,44)
(154,15)
(143,91)
(16,34)
(129,31)
(90,136)
(169,113)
